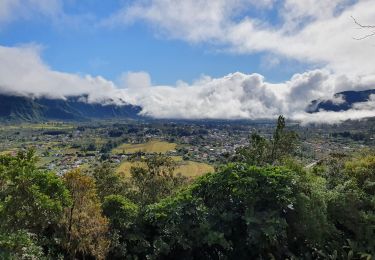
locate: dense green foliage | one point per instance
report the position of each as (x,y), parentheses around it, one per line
(126,239)
(30,198)
(265,205)
(107,181)
(155,180)
(19,245)
(262,151)
(31,202)
(231,213)
(243,211)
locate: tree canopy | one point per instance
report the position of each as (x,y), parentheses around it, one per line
(263,205)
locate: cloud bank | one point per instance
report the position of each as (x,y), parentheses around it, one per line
(234,96)
(250,96)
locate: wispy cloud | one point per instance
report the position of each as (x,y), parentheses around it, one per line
(312,31)
(12,10)
(49,11)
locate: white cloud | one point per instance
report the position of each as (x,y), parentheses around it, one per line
(192,20)
(249,96)
(270,61)
(135,80)
(178,18)
(329,117)
(312,31)
(296,13)
(11,10)
(234,96)
(369,105)
(46,11)
(338,99)
(23,72)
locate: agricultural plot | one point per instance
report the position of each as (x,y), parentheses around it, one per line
(192,169)
(188,169)
(149,147)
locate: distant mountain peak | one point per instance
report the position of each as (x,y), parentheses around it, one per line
(341,101)
(27,108)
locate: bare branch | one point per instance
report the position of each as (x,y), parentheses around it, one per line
(364,37)
(361,25)
(367,28)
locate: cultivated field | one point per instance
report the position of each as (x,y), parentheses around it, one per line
(149,147)
(185,168)
(193,169)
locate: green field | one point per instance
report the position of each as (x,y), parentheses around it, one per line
(149,147)
(188,169)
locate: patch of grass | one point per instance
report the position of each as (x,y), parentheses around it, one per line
(7,152)
(193,169)
(149,147)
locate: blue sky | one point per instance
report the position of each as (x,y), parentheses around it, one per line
(192,58)
(109,51)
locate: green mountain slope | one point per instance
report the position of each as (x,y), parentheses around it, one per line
(73,108)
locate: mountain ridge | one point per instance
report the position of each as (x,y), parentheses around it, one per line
(341,101)
(74,108)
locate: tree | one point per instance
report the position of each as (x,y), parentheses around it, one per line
(107,181)
(257,153)
(261,151)
(352,206)
(30,199)
(120,211)
(84,227)
(153,180)
(241,212)
(126,236)
(283,141)
(349,187)
(20,245)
